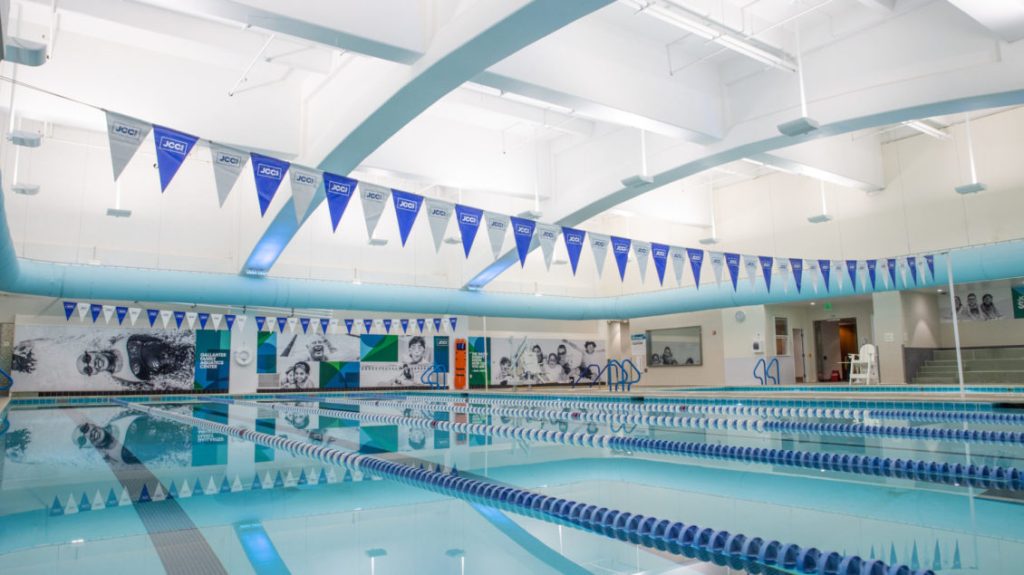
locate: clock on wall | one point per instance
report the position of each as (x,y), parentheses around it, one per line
(740,316)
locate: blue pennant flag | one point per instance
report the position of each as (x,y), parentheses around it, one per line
(766,270)
(179,316)
(574,245)
(387,326)
(152,314)
(325,324)
(696,258)
(522,231)
(620,249)
(421,323)
(912,264)
(797,265)
(659,253)
(229,319)
(203,318)
(437,324)
(732,263)
(469,222)
(260,322)
(851,269)
(171,149)
(930,260)
(339,191)
(69,308)
(826,268)
(304,322)
(95,310)
(349,323)
(122,312)
(872,265)
(405,325)
(454,321)
(368,324)
(281,322)
(269,173)
(407,207)
(891,264)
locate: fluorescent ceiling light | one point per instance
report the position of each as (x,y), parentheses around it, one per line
(769,166)
(536,103)
(482,89)
(927,129)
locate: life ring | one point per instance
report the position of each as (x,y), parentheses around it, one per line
(243,357)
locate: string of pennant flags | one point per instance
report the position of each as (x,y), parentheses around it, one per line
(214,321)
(126,135)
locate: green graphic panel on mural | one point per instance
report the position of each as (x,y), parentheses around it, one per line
(375,348)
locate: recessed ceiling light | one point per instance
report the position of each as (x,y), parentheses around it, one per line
(812,303)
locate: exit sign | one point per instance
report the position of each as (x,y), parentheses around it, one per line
(828,306)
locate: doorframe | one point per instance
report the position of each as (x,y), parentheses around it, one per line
(802,355)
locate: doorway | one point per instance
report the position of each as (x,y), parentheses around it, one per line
(835,340)
(798,355)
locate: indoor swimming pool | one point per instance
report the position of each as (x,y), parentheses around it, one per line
(496,484)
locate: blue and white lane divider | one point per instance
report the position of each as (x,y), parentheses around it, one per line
(755,426)
(986,477)
(739,551)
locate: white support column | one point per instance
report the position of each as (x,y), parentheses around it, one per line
(956,324)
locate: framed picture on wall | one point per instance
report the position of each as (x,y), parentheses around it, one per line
(673,347)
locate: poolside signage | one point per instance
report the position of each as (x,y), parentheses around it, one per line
(305,182)
(373,197)
(339,191)
(172,147)
(125,135)
(269,172)
(468,220)
(599,246)
(439,213)
(407,207)
(797,265)
(696,258)
(620,251)
(227,166)
(496,226)
(522,231)
(642,252)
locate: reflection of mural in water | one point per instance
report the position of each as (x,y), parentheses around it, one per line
(130,437)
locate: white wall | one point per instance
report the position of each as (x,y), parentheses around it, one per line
(710,372)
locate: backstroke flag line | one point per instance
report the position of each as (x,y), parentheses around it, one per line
(125,135)
(227,166)
(172,147)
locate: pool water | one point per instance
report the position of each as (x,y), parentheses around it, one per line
(226,486)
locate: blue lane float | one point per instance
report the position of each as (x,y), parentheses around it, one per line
(957,474)
(739,551)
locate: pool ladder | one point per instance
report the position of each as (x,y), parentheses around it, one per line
(763,371)
(622,374)
(436,377)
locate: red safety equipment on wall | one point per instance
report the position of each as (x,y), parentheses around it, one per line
(460,363)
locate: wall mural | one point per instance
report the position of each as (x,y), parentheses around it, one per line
(984,301)
(526,360)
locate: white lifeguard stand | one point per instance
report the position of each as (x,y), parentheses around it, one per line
(864,365)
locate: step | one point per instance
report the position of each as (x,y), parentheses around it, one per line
(972,377)
(982,353)
(987,364)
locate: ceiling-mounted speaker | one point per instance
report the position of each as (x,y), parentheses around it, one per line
(637,181)
(119,213)
(26,52)
(820,218)
(798,127)
(967,189)
(25,138)
(25,189)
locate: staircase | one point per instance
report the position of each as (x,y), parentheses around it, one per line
(981,365)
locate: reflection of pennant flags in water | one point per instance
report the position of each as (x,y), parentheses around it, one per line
(497,224)
(659,253)
(522,231)
(468,220)
(172,147)
(797,265)
(825,267)
(227,166)
(191,318)
(454,321)
(437,325)
(573,245)
(750,265)
(203,318)
(620,251)
(872,265)
(179,316)
(642,251)
(339,191)
(122,312)
(407,207)
(260,322)
(305,183)
(766,270)
(696,258)
(304,321)
(912,265)
(421,323)
(69,308)
(349,323)
(95,310)
(368,325)
(717,261)
(374,198)
(281,322)
(387,326)
(325,324)
(152,314)
(405,325)
(439,213)
(599,247)
(930,260)
(890,265)
(108,312)
(125,135)
(133,314)
(732,263)
(547,235)
(269,173)
(851,268)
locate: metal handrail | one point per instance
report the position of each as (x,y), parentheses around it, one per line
(762,365)
(768,370)
(10,380)
(594,379)
(627,384)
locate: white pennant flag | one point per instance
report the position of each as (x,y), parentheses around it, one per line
(165,316)
(215,318)
(883,268)
(902,263)
(782,272)
(83,310)
(751,264)
(108,312)
(227,166)
(190,317)
(133,314)
(125,135)
(497,225)
(839,270)
(678,257)
(240,322)
(717,260)
(292,322)
(305,182)
(642,251)
(547,234)
(439,213)
(811,270)
(862,275)
(374,198)
(599,246)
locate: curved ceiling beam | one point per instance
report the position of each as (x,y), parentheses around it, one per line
(480,37)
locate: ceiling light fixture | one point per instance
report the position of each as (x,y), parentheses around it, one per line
(927,129)
(804,124)
(975,186)
(642,179)
(824,216)
(713,239)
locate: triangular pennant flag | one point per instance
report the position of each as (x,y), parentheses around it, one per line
(95,310)
(437,325)
(281,322)
(269,173)
(260,321)
(421,323)
(304,322)
(851,268)
(133,314)
(642,251)
(405,325)
(838,265)
(871,265)
(522,231)
(240,321)
(215,318)
(766,270)
(912,265)
(374,198)
(497,224)
(812,272)
(227,166)
(599,246)
(750,265)
(108,312)
(454,321)
(97,501)
(930,260)
(797,265)
(125,135)
(717,261)
(782,267)
(573,245)
(305,182)
(191,318)
(890,264)
(172,147)
(152,314)
(83,310)
(69,308)
(620,250)
(179,316)
(325,324)
(678,257)
(696,257)
(339,191)
(469,223)
(292,322)
(122,312)
(368,325)
(547,235)
(825,266)
(348,325)
(387,326)
(659,253)
(439,213)
(732,264)
(902,262)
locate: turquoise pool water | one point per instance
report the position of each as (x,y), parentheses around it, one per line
(115,488)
